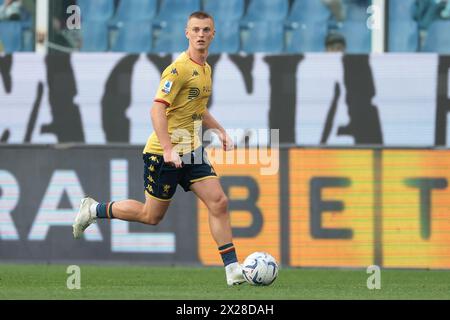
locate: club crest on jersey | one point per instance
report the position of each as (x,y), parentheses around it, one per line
(167,87)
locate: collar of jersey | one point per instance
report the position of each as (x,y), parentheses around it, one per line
(202,65)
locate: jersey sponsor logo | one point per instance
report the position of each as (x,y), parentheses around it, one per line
(167,87)
(193,93)
(195,73)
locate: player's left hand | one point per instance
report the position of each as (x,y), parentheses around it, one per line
(227,142)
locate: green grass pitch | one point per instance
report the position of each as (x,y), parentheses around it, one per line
(208,283)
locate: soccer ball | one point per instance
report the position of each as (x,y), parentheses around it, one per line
(260,269)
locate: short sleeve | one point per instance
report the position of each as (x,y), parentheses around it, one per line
(172,81)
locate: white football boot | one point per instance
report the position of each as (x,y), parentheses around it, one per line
(84,217)
(234,274)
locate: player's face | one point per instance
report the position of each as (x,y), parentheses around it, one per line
(200,33)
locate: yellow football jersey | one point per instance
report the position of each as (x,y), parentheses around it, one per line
(185,88)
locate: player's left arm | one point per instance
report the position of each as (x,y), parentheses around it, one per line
(211,123)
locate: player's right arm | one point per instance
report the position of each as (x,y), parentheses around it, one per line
(160,125)
(172,80)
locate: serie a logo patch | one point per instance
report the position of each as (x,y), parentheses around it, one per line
(167,87)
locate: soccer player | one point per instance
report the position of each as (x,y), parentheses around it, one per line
(174,153)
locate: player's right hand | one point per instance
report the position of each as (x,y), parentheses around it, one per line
(172,158)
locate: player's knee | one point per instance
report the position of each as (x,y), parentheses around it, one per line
(220,205)
(151,218)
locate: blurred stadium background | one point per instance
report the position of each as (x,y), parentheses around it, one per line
(359,89)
